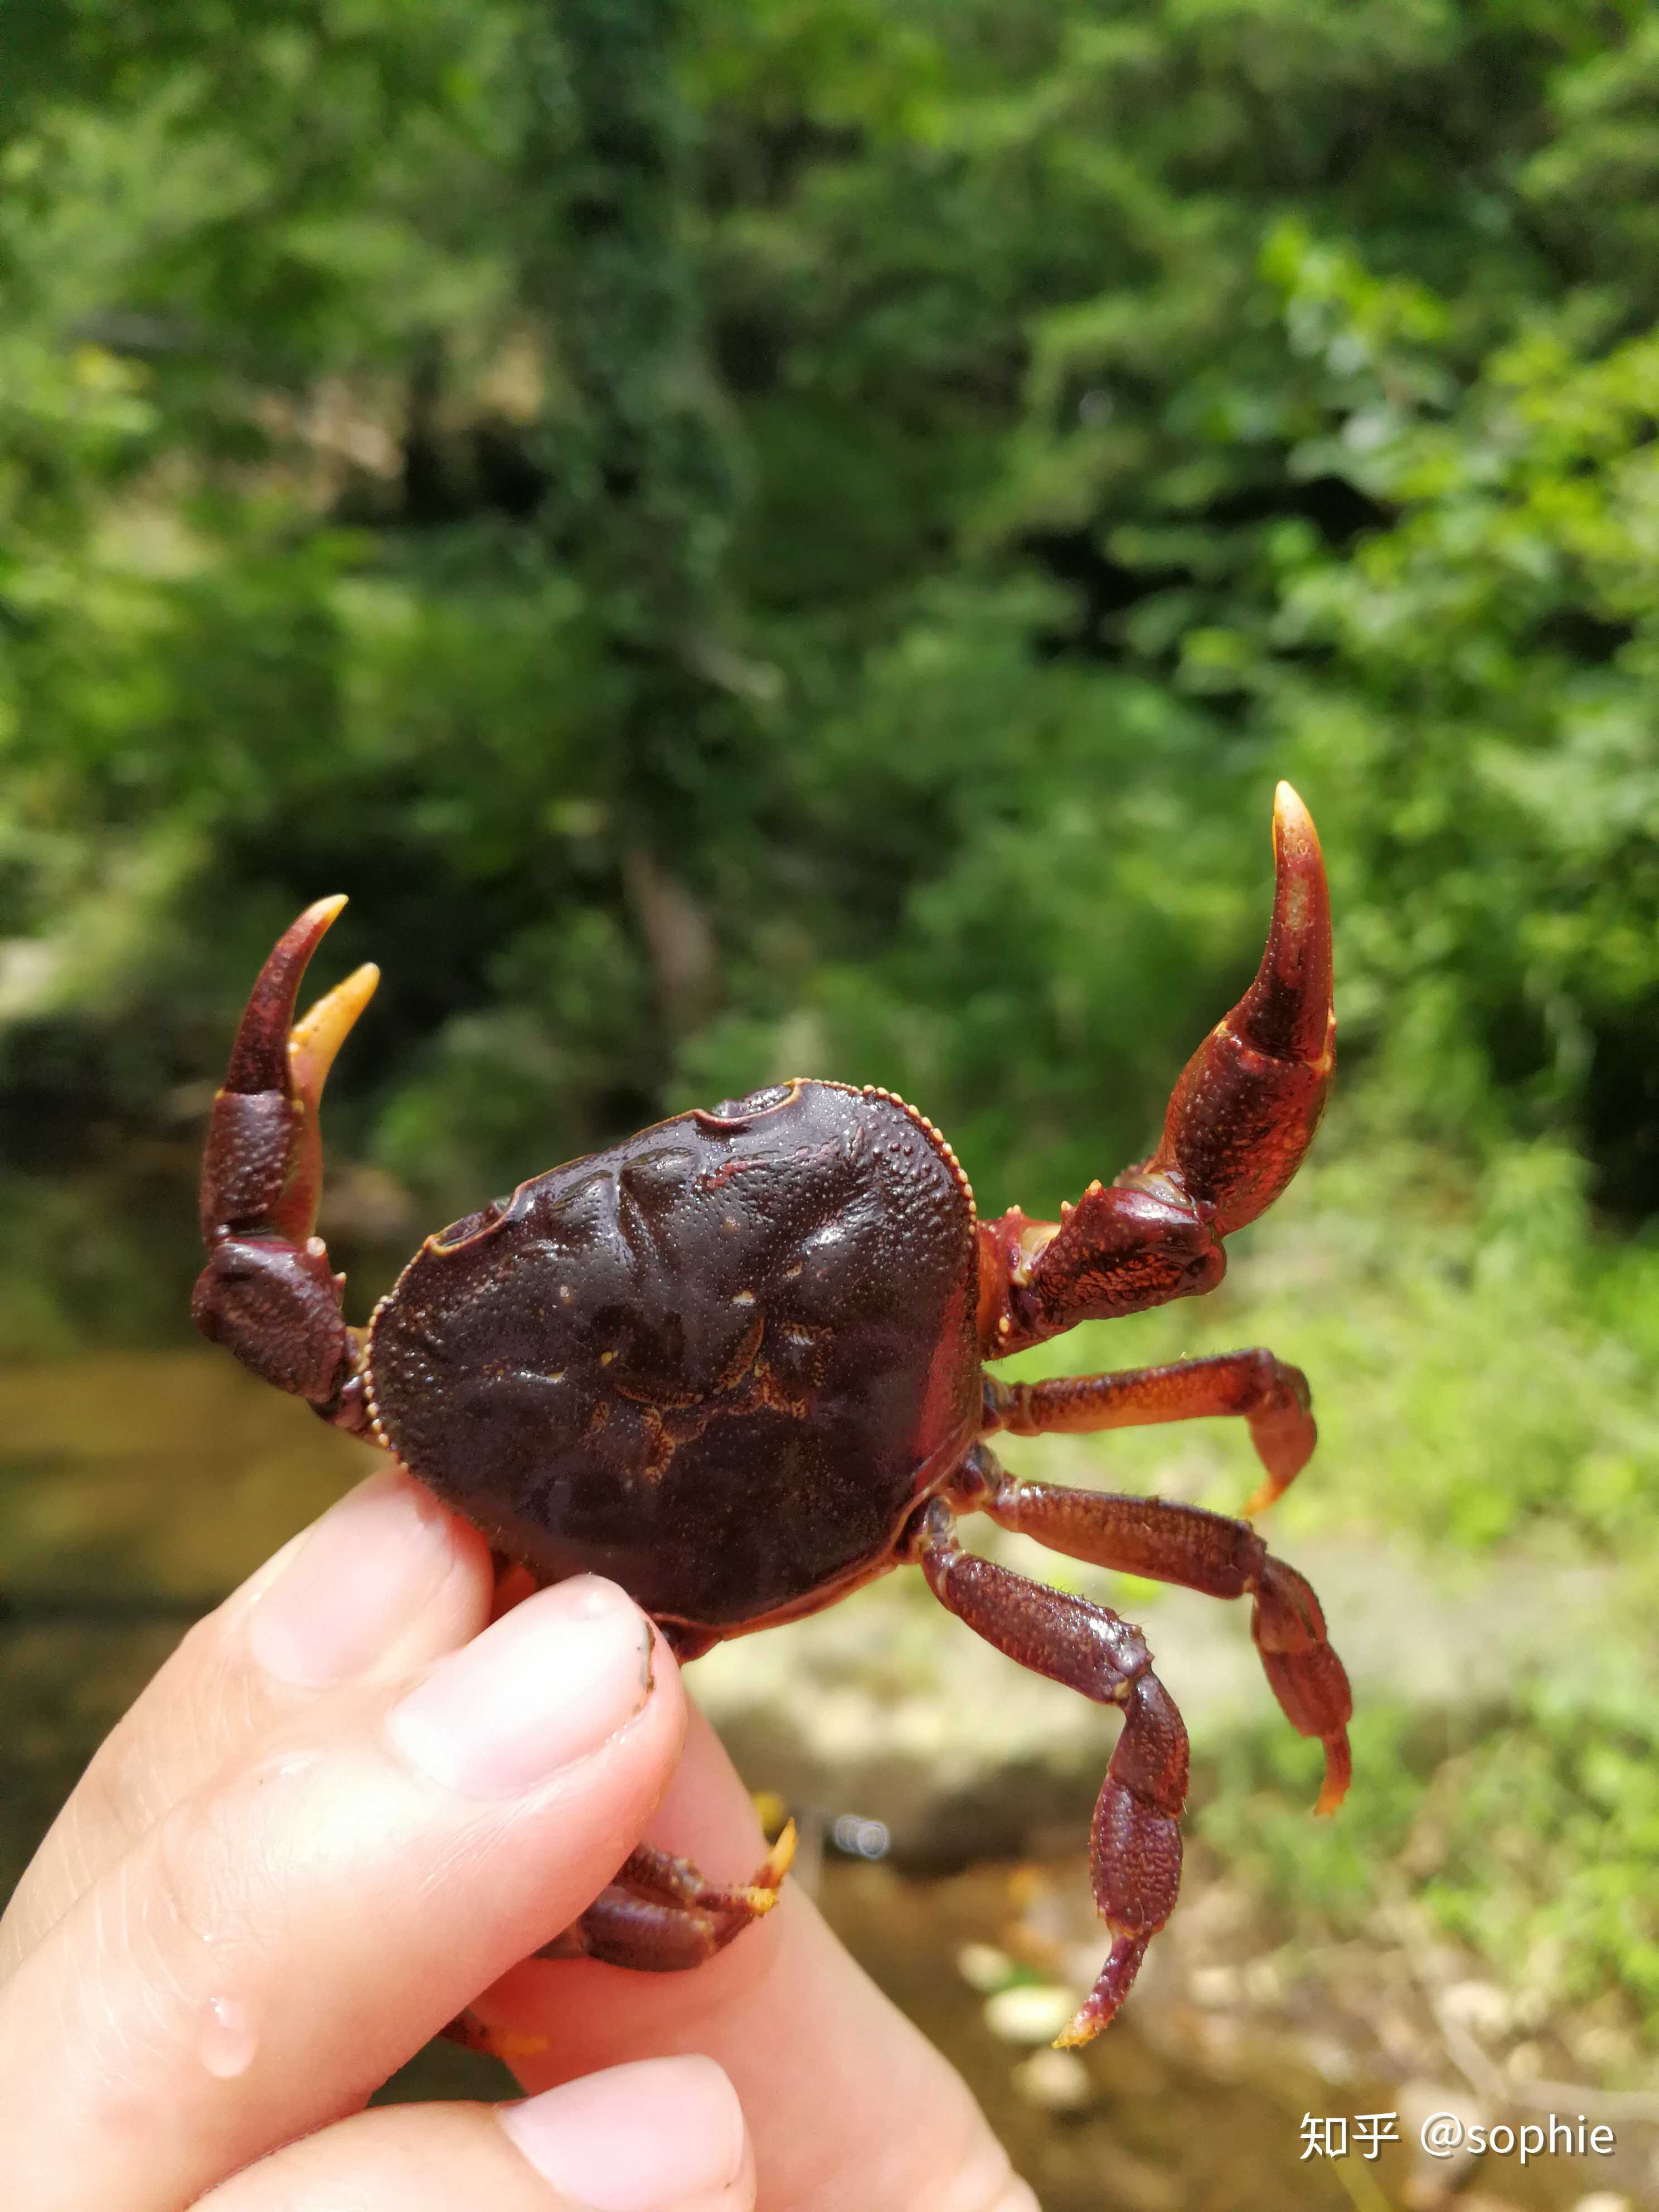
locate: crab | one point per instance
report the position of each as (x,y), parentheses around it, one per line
(735,1363)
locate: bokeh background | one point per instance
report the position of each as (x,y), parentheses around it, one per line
(758,537)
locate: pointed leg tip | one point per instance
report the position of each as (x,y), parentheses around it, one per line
(1339,1773)
(1100,2008)
(1092,2017)
(1284,1442)
(779,1858)
(503,2044)
(474,2034)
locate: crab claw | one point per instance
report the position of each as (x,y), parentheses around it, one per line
(267,1292)
(258,1054)
(263,1165)
(1244,1109)
(1239,1121)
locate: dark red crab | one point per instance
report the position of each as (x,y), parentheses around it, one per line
(735,1362)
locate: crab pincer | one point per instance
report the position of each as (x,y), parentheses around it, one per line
(1245,1106)
(267,1291)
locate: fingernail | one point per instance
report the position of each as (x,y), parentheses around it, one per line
(665,2135)
(546,1684)
(352,1582)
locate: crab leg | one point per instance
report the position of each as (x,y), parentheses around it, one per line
(1239,1122)
(267,1292)
(1167,1542)
(1135,1843)
(661,1916)
(1271,1395)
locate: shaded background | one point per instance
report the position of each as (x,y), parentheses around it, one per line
(769,536)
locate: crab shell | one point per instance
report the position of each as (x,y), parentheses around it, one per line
(720,1363)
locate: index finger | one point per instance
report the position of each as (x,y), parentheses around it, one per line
(847,2102)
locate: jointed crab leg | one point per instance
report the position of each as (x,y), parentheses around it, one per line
(1134,1843)
(1271,1395)
(1239,1121)
(267,1292)
(661,1915)
(1168,1542)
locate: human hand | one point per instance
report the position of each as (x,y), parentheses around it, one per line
(350,1802)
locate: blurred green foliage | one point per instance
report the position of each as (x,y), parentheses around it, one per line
(791,534)
(777,536)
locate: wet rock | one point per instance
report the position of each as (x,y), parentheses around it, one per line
(1055,2081)
(1031,2012)
(1481,2006)
(984,1968)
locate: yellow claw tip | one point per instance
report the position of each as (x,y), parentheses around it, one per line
(361,985)
(1077,2032)
(781,1856)
(315,1041)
